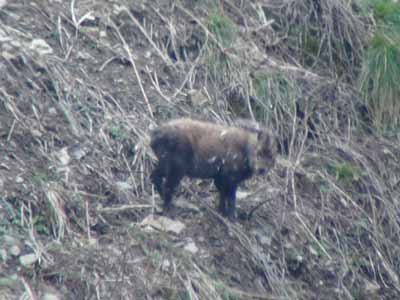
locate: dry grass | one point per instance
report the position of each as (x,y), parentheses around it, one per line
(75,158)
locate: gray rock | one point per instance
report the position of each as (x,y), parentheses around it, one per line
(15,250)
(3,254)
(40,46)
(182,203)
(164,224)
(50,296)
(28,259)
(10,281)
(166,264)
(52,111)
(10,241)
(191,247)
(123,186)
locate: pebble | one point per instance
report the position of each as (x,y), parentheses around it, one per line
(15,250)
(28,259)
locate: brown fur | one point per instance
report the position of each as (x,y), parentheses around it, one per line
(196,149)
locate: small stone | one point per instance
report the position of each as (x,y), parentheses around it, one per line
(10,281)
(9,240)
(16,43)
(165,265)
(313,251)
(50,296)
(7,55)
(36,133)
(92,241)
(164,224)
(28,259)
(41,47)
(117,9)
(103,34)
(19,179)
(83,55)
(3,254)
(52,111)
(371,287)
(15,250)
(122,186)
(48,292)
(63,156)
(191,247)
(265,240)
(78,151)
(242,194)
(182,203)
(3,165)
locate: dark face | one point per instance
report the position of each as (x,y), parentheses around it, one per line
(266,152)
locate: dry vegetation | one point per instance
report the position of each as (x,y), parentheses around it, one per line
(81,82)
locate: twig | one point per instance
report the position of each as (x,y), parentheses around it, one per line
(312,235)
(11,131)
(166,59)
(107,62)
(123,207)
(130,56)
(87,219)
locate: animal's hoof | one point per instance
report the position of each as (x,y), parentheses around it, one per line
(231,218)
(244,216)
(166,208)
(222,211)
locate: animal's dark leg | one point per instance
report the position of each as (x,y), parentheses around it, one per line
(231,192)
(157,179)
(172,181)
(223,194)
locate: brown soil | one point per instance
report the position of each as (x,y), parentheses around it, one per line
(75,162)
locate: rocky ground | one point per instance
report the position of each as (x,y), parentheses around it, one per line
(82,82)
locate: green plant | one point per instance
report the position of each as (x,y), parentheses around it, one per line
(387,12)
(117,133)
(40,225)
(226,293)
(275,96)
(380,71)
(345,172)
(223,28)
(380,80)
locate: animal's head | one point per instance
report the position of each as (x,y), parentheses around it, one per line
(266,151)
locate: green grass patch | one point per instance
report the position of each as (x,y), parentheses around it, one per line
(387,12)
(223,28)
(118,133)
(380,79)
(345,172)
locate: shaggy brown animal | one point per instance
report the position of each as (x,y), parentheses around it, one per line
(196,149)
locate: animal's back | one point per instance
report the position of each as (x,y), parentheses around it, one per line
(206,139)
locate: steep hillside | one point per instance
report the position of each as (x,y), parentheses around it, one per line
(82,83)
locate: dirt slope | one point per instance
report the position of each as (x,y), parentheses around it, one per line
(81,83)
